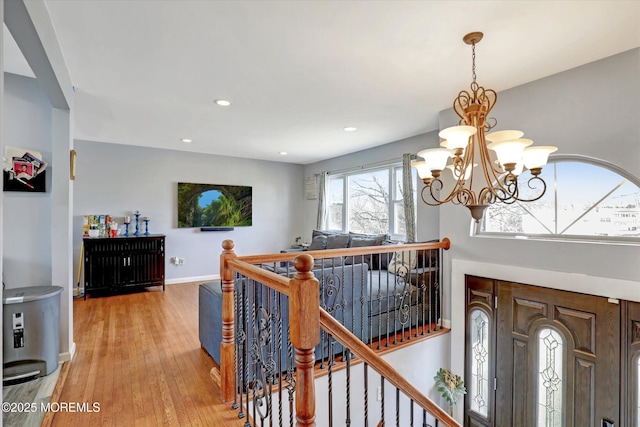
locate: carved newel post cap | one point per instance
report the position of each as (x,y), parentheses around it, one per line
(227,245)
(303,263)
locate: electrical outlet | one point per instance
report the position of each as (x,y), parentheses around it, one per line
(174,260)
(180,261)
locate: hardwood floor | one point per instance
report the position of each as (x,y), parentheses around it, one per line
(138,357)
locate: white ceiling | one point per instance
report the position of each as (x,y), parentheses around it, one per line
(297,72)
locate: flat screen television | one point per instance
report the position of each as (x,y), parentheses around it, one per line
(214,205)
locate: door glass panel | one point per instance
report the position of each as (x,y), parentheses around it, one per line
(550,378)
(479,387)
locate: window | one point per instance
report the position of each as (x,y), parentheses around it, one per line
(367,201)
(586,199)
(550,378)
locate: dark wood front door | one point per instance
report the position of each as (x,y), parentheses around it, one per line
(557,357)
(560,360)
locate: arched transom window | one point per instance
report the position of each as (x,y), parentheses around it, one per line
(586,199)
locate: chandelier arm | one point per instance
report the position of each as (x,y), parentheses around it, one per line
(437,200)
(544,189)
(486,196)
(469,157)
(451,195)
(466,197)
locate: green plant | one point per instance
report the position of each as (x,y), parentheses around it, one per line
(450,385)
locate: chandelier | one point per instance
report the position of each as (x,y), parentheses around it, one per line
(466,144)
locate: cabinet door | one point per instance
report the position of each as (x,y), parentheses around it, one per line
(103,266)
(145,262)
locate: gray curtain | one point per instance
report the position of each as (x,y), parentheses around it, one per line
(407,198)
(322,209)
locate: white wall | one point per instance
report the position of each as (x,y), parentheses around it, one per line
(427,217)
(26,232)
(117,180)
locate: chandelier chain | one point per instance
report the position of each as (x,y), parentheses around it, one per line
(473,61)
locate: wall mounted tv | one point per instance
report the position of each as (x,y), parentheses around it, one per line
(213,205)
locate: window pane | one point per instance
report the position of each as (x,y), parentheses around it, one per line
(397,187)
(398,218)
(550,378)
(336,203)
(369,202)
(587,200)
(479,387)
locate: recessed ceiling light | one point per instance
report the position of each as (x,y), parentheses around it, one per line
(186,140)
(222,102)
(283,153)
(350,129)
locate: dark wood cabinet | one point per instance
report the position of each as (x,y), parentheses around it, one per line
(113,264)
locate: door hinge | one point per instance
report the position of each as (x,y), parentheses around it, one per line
(495,383)
(495,302)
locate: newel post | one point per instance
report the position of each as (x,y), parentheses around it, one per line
(227,362)
(304,326)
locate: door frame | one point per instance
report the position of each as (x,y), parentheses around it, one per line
(616,288)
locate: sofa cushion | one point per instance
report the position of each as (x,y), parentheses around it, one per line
(337,241)
(377,238)
(318,243)
(360,241)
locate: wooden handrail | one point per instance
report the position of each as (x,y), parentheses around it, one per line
(333,253)
(272,280)
(367,355)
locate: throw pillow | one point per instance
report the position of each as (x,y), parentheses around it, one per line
(360,242)
(318,243)
(403,262)
(337,241)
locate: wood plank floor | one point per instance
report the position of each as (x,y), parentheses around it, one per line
(139,357)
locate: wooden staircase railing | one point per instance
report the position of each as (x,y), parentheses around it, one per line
(368,356)
(306,318)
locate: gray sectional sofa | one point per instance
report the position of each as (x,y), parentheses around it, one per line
(373,295)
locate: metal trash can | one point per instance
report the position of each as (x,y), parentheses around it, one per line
(31,319)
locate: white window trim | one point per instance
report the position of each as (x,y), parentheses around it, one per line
(625,241)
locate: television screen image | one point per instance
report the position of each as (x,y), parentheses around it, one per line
(214,205)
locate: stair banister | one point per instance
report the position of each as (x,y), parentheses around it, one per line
(382,367)
(227,345)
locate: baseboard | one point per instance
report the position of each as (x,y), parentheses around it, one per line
(192,279)
(67,355)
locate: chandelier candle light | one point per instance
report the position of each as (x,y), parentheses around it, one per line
(467,143)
